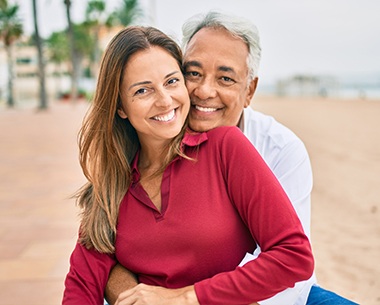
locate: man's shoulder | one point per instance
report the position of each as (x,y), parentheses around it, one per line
(260,127)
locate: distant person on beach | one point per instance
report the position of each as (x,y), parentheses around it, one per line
(222,55)
(180,209)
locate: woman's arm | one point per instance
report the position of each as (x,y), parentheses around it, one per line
(286,255)
(87,278)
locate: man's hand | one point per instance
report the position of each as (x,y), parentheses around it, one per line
(120,279)
(147,295)
(123,289)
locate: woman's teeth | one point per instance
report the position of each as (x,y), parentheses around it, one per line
(166,117)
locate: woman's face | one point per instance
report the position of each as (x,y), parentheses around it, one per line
(154,96)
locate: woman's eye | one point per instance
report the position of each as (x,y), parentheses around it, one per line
(173,81)
(140,91)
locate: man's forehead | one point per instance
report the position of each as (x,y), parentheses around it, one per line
(209,41)
(198,64)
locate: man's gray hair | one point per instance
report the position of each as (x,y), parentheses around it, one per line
(237,26)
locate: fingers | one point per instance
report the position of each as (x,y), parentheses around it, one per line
(133,295)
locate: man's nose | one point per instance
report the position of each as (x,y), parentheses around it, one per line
(205,90)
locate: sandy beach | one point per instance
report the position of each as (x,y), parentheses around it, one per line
(39,170)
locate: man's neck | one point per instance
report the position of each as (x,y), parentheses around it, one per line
(240,124)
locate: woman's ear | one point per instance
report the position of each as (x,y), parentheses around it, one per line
(121,113)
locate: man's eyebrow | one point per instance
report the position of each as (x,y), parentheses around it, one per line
(192,63)
(226,69)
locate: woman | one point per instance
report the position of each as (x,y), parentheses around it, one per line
(162,200)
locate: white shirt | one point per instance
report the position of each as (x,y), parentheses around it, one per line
(287,157)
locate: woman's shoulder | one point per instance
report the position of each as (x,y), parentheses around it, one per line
(225,132)
(222,130)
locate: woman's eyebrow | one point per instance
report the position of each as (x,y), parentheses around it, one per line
(147,82)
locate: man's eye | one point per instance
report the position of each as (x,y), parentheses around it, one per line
(227,79)
(192,73)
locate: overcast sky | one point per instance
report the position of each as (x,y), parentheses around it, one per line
(337,37)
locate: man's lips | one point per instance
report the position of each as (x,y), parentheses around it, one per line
(205,109)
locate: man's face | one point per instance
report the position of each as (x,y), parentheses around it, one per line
(216,74)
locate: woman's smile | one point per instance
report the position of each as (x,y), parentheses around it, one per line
(169,116)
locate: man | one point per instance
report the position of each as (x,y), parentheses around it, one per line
(222,55)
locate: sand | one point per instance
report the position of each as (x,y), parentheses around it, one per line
(343,140)
(39,171)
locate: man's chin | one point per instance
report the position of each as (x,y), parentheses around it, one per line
(201,127)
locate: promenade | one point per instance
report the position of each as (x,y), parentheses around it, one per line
(39,171)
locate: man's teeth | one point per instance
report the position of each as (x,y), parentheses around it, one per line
(205,109)
(166,117)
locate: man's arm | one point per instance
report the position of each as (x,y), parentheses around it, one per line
(120,279)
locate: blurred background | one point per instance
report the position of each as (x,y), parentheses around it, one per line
(319,75)
(326,48)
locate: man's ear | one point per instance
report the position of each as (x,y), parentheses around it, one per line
(251,91)
(121,113)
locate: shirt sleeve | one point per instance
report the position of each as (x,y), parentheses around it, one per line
(264,207)
(293,170)
(87,278)
(296,295)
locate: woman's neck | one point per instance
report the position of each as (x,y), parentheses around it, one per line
(152,157)
(151,163)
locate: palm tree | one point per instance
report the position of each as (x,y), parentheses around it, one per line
(128,12)
(84,46)
(70,33)
(10,30)
(95,18)
(58,54)
(41,63)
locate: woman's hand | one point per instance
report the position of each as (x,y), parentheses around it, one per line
(147,295)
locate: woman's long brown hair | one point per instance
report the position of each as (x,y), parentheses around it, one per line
(108,144)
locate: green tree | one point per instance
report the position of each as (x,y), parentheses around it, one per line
(95,18)
(129,11)
(41,63)
(60,49)
(84,45)
(10,30)
(59,53)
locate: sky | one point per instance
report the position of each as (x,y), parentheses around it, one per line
(318,37)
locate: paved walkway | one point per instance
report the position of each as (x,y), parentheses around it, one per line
(39,170)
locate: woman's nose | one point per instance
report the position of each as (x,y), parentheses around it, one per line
(163,98)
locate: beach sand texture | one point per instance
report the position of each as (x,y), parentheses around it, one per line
(39,170)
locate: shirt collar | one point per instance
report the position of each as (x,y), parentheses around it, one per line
(191,139)
(135,171)
(194,138)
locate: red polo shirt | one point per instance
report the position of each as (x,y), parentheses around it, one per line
(215,208)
